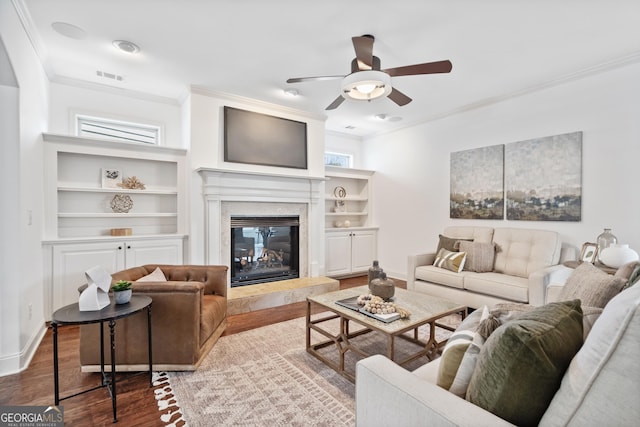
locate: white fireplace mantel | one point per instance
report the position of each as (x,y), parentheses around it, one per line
(228,192)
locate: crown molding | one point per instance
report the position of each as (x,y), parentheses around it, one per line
(600,68)
(32,34)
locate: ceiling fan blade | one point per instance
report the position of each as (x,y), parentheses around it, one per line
(364,51)
(309,79)
(426,68)
(336,103)
(399,97)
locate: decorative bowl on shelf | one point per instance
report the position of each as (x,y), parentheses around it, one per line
(121,203)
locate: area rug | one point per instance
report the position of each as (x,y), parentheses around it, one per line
(265,377)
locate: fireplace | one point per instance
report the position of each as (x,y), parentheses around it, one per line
(264,249)
(233,194)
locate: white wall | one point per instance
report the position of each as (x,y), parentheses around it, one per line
(68,100)
(24,118)
(207,151)
(336,142)
(411,184)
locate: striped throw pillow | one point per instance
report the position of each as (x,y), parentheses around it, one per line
(453,261)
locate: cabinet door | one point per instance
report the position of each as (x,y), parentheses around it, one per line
(161,251)
(71,261)
(338,253)
(363,250)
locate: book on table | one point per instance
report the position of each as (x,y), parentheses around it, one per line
(352,303)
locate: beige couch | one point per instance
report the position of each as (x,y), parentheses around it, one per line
(601,386)
(189,314)
(525,261)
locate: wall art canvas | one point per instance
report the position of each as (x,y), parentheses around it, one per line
(543,178)
(111,178)
(477,183)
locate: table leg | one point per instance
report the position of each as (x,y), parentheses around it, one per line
(150,346)
(56,385)
(103,380)
(112,326)
(308,338)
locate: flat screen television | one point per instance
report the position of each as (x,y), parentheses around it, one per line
(261,139)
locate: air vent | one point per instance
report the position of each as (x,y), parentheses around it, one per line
(109,75)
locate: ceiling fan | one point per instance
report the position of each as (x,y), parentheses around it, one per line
(367,81)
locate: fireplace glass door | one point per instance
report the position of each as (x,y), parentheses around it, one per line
(264,249)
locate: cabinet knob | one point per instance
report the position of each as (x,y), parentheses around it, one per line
(128,246)
(119,248)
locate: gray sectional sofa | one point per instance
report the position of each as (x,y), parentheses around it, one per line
(525,262)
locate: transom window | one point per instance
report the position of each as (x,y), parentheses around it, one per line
(338,159)
(117,130)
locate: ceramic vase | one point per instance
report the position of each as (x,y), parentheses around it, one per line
(604,240)
(617,255)
(122,297)
(382,287)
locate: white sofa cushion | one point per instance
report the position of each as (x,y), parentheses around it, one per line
(606,369)
(433,274)
(520,252)
(478,234)
(500,285)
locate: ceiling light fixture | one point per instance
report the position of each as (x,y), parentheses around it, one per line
(126,46)
(381,116)
(292,92)
(366,85)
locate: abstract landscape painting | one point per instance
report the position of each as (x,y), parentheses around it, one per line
(477,183)
(544,178)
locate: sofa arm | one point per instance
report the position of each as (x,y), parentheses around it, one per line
(389,395)
(416,261)
(540,280)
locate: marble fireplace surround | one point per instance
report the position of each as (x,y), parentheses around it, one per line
(231,193)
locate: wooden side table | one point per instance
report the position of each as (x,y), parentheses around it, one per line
(601,266)
(71,315)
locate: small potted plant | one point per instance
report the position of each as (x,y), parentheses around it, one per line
(122,291)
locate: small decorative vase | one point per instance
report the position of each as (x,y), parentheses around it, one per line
(123,297)
(382,287)
(374,271)
(617,255)
(605,240)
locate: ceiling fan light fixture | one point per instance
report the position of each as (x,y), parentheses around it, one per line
(366,85)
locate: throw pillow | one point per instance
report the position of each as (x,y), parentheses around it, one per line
(155,276)
(468,362)
(453,261)
(521,365)
(449,243)
(457,345)
(480,256)
(591,285)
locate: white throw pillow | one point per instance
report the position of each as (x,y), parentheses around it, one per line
(155,276)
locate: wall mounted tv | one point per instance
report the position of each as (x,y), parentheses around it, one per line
(260,139)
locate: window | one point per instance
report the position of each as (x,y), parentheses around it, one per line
(338,159)
(117,130)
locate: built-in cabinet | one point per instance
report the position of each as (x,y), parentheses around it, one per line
(350,235)
(80,212)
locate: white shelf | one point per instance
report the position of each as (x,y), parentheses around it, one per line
(77,205)
(365,213)
(155,191)
(115,215)
(356,203)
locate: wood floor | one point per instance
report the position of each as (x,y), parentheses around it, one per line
(136,403)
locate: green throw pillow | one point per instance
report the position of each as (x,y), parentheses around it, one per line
(522,363)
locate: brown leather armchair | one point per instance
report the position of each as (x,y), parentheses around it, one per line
(189,314)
